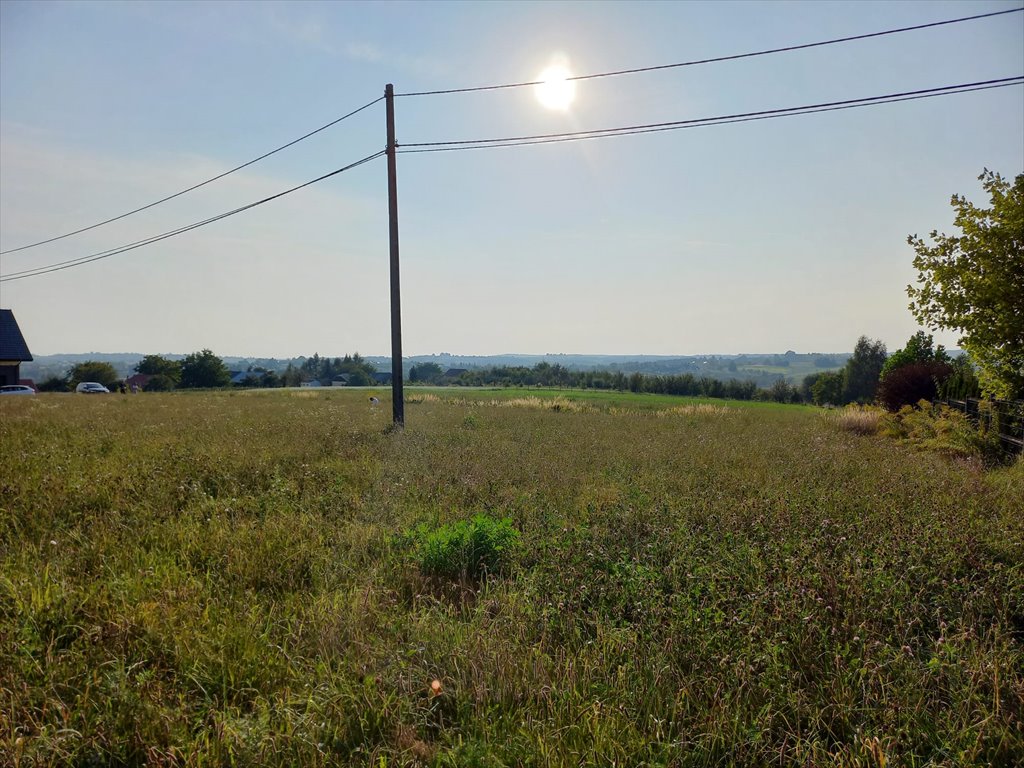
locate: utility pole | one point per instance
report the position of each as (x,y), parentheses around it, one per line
(397,395)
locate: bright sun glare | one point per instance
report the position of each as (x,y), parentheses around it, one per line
(555,90)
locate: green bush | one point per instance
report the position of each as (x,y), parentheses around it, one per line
(946,430)
(466,549)
(54,384)
(159,383)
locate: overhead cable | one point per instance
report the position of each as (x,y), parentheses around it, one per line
(156,238)
(597,133)
(716,59)
(201,184)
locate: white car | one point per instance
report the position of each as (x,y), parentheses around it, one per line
(16,389)
(92,388)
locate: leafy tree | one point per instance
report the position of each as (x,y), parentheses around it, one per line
(860,376)
(311,367)
(92,370)
(155,365)
(918,350)
(827,388)
(806,391)
(203,369)
(783,392)
(962,382)
(325,370)
(356,363)
(914,373)
(251,381)
(292,377)
(974,283)
(359,378)
(425,372)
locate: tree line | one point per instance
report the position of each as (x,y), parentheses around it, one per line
(918,371)
(205,370)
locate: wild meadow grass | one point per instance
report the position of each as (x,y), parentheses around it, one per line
(859,419)
(276,578)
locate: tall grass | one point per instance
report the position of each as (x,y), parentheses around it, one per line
(859,419)
(218,579)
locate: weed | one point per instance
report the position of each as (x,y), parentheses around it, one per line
(468,549)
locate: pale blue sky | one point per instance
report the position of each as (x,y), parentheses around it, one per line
(764,236)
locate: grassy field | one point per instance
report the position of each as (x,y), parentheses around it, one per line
(255,579)
(598,399)
(794,372)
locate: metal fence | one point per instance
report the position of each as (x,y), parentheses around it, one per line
(1005,417)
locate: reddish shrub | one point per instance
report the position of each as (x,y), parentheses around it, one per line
(908,384)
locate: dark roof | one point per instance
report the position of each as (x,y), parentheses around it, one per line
(12,343)
(240,377)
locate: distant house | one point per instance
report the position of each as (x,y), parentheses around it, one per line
(312,383)
(341,380)
(246,378)
(13,349)
(454,373)
(139,380)
(380,377)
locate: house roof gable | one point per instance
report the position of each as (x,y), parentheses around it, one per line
(12,343)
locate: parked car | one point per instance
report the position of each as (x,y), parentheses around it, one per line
(92,388)
(16,389)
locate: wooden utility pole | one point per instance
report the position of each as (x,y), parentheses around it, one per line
(397,395)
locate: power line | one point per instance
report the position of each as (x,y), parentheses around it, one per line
(597,133)
(201,184)
(156,238)
(518,85)
(732,57)
(697,124)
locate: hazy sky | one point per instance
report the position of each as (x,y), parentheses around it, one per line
(752,237)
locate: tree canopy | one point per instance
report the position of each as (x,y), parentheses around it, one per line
(91,370)
(203,369)
(920,349)
(914,373)
(974,283)
(325,370)
(155,365)
(425,372)
(860,376)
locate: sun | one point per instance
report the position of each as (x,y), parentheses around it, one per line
(555,90)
